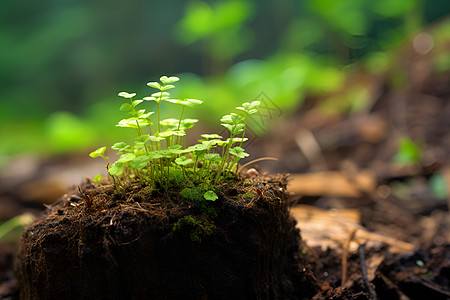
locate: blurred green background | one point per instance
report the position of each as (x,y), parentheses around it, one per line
(62,63)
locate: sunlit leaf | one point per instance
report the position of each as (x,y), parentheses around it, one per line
(155,85)
(168,80)
(99,152)
(126,95)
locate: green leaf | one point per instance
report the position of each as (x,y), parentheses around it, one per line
(185,102)
(141,114)
(136,102)
(174,147)
(142,139)
(155,85)
(140,161)
(116,168)
(171,122)
(99,152)
(131,123)
(126,157)
(167,87)
(168,80)
(188,123)
(237,140)
(211,136)
(169,133)
(196,147)
(249,107)
(121,146)
(210,196)
(235,128)
(126,95)
(160,94)
(126,107)
(183,161)
(150,99)
(153,138)
(232,119)
(238,152)
(97,178)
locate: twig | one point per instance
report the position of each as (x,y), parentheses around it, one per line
(369,287)
(256,160)
(344,255)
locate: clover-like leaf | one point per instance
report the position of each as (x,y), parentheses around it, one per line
(153,138)
(126,95)
(121,146)
(140,161)
(238,152)
(186,102)
(210,196)
(132,123)
(168,80)
(116,168)
(232,119)
(155,85)
(249,107)
(211,136)
(100,152)
(169,133)
(126,157)
(171,122)
(167,87)
(235,128)
(183,161)
(237,140)
(188,123)
(160,95)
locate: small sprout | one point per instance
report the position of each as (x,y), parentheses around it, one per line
(97,178)
(100,152)
(157,158)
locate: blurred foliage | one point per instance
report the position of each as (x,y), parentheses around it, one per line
(63,62)
(408,152)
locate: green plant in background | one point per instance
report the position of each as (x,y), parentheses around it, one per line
(408,152)
(158,158)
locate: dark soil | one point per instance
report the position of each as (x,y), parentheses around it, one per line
(122,246)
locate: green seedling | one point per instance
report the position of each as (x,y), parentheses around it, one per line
(157,157)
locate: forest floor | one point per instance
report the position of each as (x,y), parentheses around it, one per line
(375,219)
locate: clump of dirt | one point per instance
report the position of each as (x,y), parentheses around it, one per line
(96,243)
